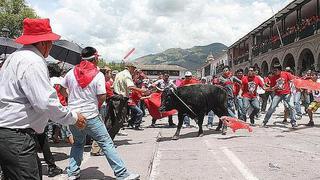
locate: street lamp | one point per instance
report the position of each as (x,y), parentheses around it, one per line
(5,32)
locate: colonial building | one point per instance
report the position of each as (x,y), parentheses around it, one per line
(153,71)
(214,65)
(291,37)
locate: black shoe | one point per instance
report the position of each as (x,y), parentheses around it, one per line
(264,124)
(294,125)
(252,121)
(54,171)
(224,130)
(96,154)
(284,121)
(138,128)
(153,125)
(172,125)
(218,129)
(311,123)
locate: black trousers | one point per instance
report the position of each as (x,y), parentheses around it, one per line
(44,146)
(265,98)
(18,155)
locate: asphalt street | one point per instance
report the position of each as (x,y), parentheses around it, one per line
(278,152)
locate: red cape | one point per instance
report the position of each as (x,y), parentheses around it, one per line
(153,103)
(306,84)
(85,72)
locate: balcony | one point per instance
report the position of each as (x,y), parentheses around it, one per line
(241,59)
(306,28)
(219,68)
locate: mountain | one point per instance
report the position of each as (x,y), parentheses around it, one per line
(192,58)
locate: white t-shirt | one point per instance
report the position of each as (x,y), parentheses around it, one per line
(84,100)
(55,80)
(316,94)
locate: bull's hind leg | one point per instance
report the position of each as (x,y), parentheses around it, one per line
(200,122)
(177,134)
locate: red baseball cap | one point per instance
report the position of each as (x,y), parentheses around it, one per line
(36,30)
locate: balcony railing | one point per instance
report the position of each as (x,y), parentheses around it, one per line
(241,59)
(219,68)
(307,28)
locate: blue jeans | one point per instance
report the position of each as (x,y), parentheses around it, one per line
(186,120)
(230,107)
(297,104)
(288,100)
(104,111)
(239,106)
(136,115)
(65,132)
(97,130)
(210,117)
(254,103)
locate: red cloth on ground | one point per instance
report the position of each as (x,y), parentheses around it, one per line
(250,85)
(235,123)
(153,104)
(282,83)
(306,84)
(85,72)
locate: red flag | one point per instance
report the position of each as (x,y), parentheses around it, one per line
(130,52)
(235,123)
(153,103)
(306,84)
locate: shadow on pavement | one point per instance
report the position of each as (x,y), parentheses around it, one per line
(58,156)
(94,173)
(125,142)
(232,137)
(188,135)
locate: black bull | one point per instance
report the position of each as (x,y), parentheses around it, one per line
(200,98)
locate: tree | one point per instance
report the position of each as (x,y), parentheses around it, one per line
(12,13)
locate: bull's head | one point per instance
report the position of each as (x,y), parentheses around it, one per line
(167,102)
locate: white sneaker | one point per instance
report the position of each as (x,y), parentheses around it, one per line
(132,176)
(122,133)
(74,177)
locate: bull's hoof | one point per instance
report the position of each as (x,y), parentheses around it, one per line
(175,137)
(200,135)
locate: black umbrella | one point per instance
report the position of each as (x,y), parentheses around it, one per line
(66,51)
(8,46)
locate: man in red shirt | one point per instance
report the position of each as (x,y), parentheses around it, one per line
(250,84)
(189,79)
(280,84)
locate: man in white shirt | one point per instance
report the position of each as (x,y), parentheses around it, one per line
(86,85)
(27,101)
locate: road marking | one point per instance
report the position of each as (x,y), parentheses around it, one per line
(210,149)
(155,161)
(86,157)
(244,170)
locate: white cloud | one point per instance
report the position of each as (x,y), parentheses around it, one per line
(151,26)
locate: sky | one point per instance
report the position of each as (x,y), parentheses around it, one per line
(114,27)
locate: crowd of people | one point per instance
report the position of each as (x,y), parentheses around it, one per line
(41,103)
(291,33)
